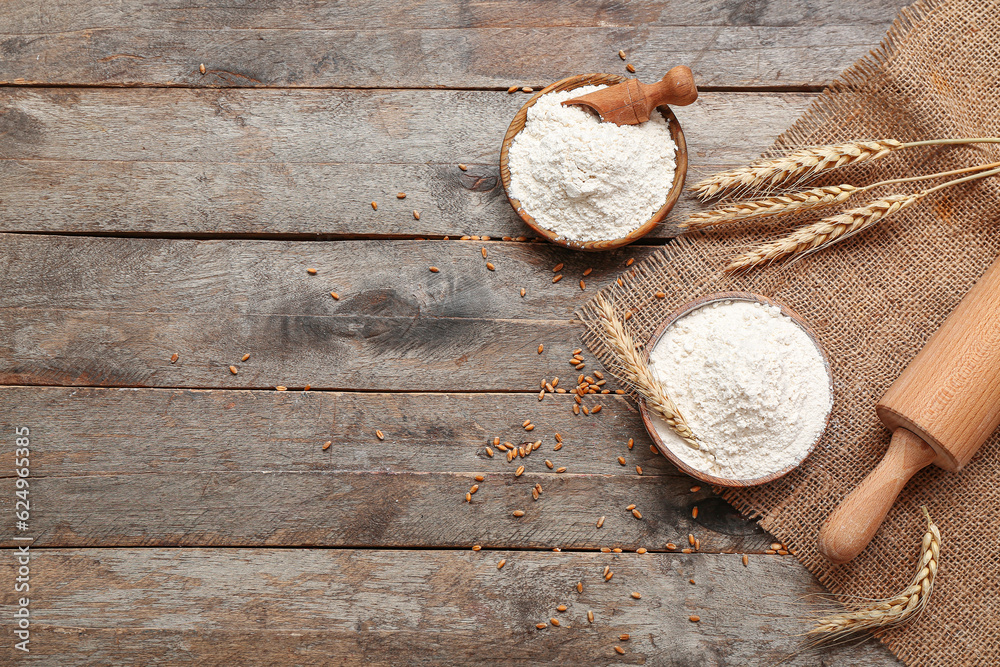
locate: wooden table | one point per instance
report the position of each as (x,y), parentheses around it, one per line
(184,513)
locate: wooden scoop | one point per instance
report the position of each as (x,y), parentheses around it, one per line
(630,102)
(941,410)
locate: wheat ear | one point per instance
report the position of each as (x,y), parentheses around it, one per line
(794,202)
(837,228)
(803,162)
(891,611)
(823,233)
(638,374)
(807,200)
(810,161)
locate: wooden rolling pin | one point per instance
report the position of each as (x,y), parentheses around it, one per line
(941,410)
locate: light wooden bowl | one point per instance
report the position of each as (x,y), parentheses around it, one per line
(681,159)
(654,339)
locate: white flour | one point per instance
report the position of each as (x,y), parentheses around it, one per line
(751,384)
(585,179)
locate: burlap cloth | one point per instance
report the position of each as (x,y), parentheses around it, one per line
(874,300)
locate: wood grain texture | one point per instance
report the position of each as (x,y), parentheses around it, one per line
(91,431)
(379,508)
(240,468)
(60,347)
(434,44)
(744,56)
(314,607)
(382,278)
(301,162)
(245,468)
(26,17)
(115,310)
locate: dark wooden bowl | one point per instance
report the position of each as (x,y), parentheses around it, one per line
(654,339)
(681,159)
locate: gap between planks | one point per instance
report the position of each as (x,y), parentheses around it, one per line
(778,89)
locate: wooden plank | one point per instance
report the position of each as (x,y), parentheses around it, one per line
(116,309)
(381,509)
(300,162)
(223,607)
(61,347)
(224,468)
(26,17)
(90,431)
(99,432)
(372,278)
(480,57)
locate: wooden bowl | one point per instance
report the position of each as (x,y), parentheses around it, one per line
(681,312)
(681,159)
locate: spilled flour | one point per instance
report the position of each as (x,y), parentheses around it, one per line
(587,180)
(751,384)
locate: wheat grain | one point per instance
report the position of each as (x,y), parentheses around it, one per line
(825,232)
(893,611)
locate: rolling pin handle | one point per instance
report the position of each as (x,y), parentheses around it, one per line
(854,523)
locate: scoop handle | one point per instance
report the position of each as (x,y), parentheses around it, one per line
(854,523)
(676,88)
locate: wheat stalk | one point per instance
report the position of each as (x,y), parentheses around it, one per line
(794,202)
(891,611)
(811,161)
(638,374)
(839,227)
(806,200)
(803,162)
(823,233)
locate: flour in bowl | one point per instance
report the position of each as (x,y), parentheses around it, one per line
(750,382)
(587,180)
